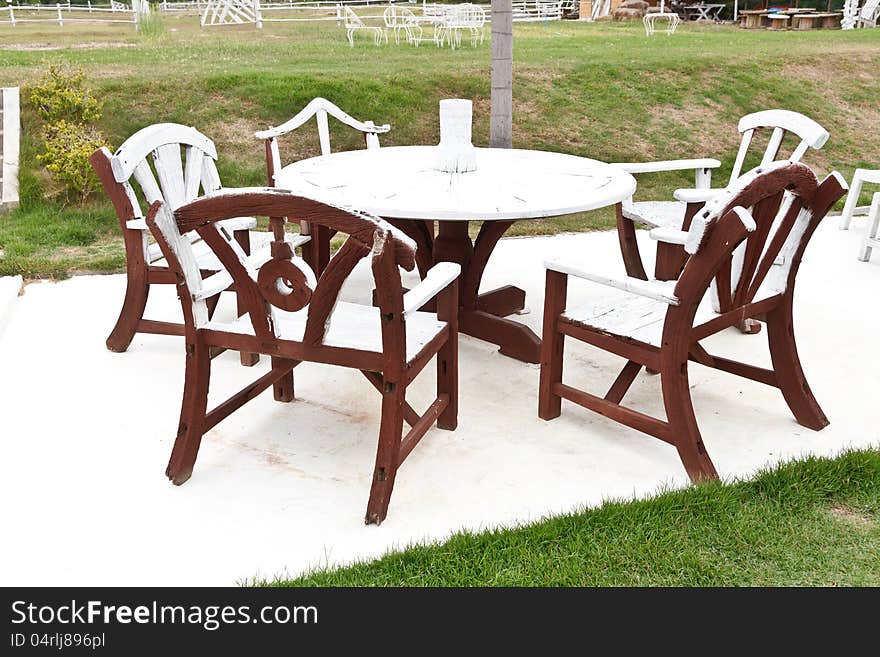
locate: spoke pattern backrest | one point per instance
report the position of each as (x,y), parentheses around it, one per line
(786,203)
(780,122)
(171,163)
(285,282)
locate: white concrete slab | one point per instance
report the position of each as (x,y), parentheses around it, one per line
(10,288)
(281,487)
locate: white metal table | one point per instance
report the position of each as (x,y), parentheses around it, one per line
(401,185)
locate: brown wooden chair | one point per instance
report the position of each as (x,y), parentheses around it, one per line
(667,218)
(317,252)
(170,163)
(292,317)
(661,323)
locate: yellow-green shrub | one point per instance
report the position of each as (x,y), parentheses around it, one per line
(61,94)
(68,147)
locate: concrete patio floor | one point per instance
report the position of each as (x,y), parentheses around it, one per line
(85,434)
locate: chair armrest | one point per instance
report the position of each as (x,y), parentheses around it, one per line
(658,290)
(239,223)
(688,195)
(668,235)
(439,277)
(668,165)
(136,224)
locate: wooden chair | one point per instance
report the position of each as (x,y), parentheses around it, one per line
(668,218)
(183,163)
(661,323)
(292,317)
(317,253)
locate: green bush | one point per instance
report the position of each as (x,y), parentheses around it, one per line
(68,111)
(61,95)
(151,26)
(68,147)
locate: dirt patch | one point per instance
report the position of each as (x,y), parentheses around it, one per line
(77,46)
(852,517)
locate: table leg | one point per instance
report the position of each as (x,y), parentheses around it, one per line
(482,315)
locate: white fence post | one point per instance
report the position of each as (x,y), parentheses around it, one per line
(258,15)
(11,13)
(60,19)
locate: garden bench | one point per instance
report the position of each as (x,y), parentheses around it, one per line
(292,315)
(768,214)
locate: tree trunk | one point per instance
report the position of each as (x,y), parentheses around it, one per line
(501,113)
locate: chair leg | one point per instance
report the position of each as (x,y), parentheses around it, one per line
(388,452)
(192,413)
(683,423)
(136,292)
(447,358)
(787,365)
(629,247)
(283,388)
(552,347)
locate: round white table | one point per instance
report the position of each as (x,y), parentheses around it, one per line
(400,185)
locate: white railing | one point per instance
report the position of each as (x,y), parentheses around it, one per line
(525,11)
(71,13)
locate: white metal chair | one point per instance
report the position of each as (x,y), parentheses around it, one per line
(666,219)
(353,23)
(400,19)
(670,18)
(317,253)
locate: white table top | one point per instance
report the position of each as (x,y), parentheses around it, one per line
(399,182)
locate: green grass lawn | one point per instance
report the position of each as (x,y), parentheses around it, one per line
(814,522)
(601,90)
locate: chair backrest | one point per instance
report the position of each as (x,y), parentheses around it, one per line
(286,282)
(350,18)
(778,206)
(391,16)
(320,108)
(171,163)
(781,122)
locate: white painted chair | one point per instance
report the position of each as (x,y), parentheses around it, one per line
(670,18)
(320,109)
(353,23)
(850,209)
(667,218)
(401,20)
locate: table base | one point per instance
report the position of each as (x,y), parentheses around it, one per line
(482,316)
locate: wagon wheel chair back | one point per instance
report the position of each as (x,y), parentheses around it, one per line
(746,244)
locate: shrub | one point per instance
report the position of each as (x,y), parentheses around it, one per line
(151,26)
(61,95)
(68,147)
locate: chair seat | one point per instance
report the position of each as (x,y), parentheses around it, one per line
(632,317)
(655,214)
(352,326)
